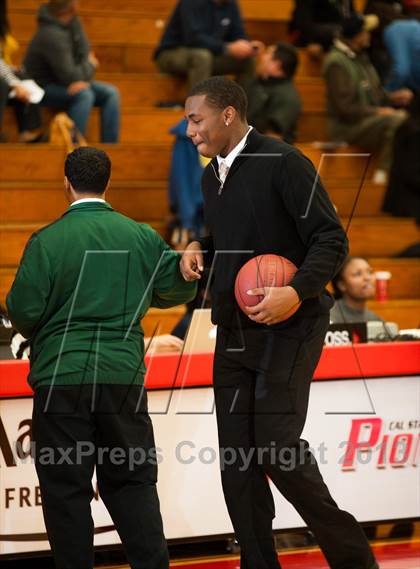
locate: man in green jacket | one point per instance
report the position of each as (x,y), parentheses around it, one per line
(83,284)
(359,111)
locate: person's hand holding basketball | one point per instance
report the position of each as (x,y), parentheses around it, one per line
(277,302)
(191,264)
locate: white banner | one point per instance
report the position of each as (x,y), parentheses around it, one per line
(364,434)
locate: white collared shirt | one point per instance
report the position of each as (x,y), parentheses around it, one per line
(228,160)
(344,48)
(85,200)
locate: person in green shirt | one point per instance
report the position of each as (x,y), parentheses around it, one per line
(83,285)
(274,104)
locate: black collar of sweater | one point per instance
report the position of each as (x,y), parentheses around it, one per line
(254,144)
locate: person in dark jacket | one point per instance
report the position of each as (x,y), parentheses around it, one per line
(60,60)
(83,285)
(206,37)
(402,197)
(387,12)
(274,104)
(316,23)
(263,196)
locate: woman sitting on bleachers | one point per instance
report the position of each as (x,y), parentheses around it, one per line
(353,286)
(27,115)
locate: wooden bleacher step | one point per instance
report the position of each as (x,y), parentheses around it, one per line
(369,237)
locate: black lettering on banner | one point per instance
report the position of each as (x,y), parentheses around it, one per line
(24,494)
(27,434)
(6,449)
(38,500)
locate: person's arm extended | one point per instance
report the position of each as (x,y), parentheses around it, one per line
(400,68)
(341,91)
(7,73)
(316,222)
(169,287)
(28,297)
(237,28)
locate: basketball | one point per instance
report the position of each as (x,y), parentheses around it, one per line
(263,271)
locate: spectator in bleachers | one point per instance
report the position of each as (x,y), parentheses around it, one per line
(274,104)
(402,40)
(353,286)
(204,38)
(27,115)
(60,59)
(316,23)
(403,194)
(359,111)
(184,189)
(387,11)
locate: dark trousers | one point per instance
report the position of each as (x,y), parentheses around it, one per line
(200,63)
(261,380)
(79,106)
(28,116)
(102,426)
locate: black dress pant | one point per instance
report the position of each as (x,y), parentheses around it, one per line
(28,116)
(76,428)
(262,379)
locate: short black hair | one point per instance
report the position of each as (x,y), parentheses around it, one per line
(88,170)
(287,54)
(221,93)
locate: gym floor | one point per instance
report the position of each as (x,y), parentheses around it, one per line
(396,546)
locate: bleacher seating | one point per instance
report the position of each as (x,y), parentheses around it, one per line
(123,36)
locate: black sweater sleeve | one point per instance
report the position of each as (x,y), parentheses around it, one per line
(316,222)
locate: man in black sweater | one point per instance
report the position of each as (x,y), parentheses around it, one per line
(262,196)
(206,37)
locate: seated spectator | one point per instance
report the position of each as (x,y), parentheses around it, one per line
(359,111)
(184,189)
(27,115)
(274,104)
(402,40)
(204,38)
(402,197)
(316,23)
(387,11)
(60,60)
(353,286)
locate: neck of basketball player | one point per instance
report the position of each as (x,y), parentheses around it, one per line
(238,130)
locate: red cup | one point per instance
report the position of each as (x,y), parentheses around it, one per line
(382,280)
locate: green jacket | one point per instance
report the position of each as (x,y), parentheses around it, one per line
(83,285)
(274,104)
(353,87)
